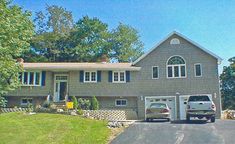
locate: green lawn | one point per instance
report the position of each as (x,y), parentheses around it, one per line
(16,128)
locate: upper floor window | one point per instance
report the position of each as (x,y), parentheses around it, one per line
(90,76)
(31,78)
(176,67)
(155,72)
(198,70)
(119,77)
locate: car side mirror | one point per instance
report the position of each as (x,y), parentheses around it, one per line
(185,102)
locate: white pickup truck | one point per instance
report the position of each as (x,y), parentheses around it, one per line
(200,106)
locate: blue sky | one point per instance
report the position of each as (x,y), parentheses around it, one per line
(211,23)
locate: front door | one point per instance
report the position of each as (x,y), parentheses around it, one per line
(61,87)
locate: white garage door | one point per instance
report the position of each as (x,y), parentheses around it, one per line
(170,101)
(182,99)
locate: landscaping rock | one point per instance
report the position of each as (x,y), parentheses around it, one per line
(60,110)
(115,124)
(73,113)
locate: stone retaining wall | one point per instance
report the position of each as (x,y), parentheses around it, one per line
(112,115)
(7,110)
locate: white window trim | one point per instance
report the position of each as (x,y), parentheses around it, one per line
(120,100)
(34,78)
(179,65)
(84,77)
(195,69)
(119,77)
(25,104)
(157,72)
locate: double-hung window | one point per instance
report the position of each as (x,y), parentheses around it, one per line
(176,67)
(120,102)
(90,76)
(155,72)
(26,101)
(30,78)
(198,70)
(119,77)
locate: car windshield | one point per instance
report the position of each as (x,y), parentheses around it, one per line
(199,98)
(158,105)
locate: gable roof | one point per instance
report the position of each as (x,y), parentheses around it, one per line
(219,59)
(80,66)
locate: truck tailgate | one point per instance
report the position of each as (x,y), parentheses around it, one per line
(200,105)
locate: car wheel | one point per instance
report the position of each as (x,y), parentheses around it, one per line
(147,119)
(169,120)
(187,118)
(212,119)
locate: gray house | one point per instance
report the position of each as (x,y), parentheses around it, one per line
(174,69)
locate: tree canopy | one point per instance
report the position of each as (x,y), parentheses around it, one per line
(59,39)
(228,85)
(16,30)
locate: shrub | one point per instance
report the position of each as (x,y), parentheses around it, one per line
(3,102)
(80,112)
(94,103)
(46,104)
(75,102)
(84,104)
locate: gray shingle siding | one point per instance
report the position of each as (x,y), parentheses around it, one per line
(141,82)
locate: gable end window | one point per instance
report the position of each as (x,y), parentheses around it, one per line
(174,41)
(30,78)
(155,72)
(90,76)
(119,77)
(176,67)
(120,102)
(198,70)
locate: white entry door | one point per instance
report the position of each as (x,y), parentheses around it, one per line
(169,100)
(60,87)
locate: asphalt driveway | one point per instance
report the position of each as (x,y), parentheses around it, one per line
(195,132)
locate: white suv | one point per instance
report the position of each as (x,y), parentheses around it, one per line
(200,106)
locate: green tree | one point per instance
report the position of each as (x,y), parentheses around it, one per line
(228,85)
(16,30)
(126,44)
(89,40)
(52,27)
(94,103)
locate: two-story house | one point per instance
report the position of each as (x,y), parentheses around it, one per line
(174,69)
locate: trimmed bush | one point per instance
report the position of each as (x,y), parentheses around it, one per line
(3,101)
(46,104)
(94,103)
(84,104)
(75,102)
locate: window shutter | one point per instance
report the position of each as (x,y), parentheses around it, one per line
(98,76)
(43,83)
(81,76)
(110,76)
(127,76)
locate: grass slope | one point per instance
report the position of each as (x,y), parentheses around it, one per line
(51,129)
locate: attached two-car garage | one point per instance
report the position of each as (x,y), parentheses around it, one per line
(171,101)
